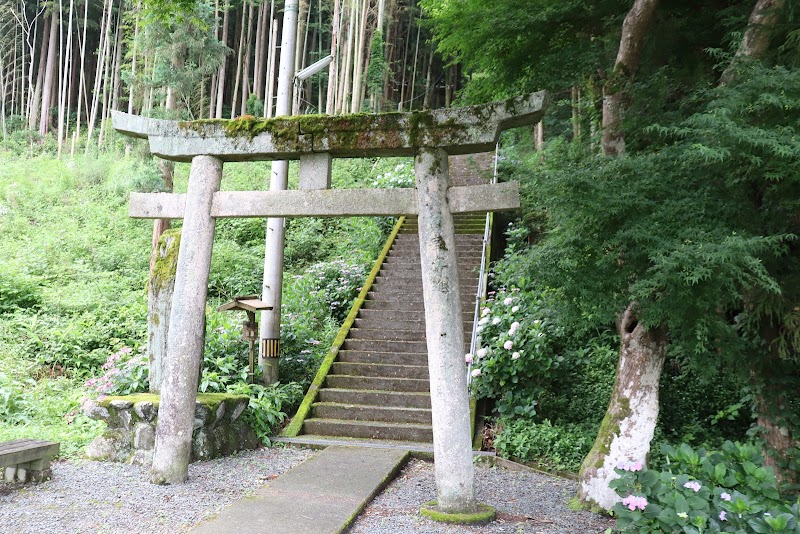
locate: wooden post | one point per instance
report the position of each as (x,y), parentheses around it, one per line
(444,329)
(187,321)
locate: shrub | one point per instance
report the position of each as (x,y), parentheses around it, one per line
(560,448)
(518,354)
(268,406)
(703,491)
(125,373)
(225,355)
(18,290)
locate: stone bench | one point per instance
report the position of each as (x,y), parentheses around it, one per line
(131,427)
(27,460)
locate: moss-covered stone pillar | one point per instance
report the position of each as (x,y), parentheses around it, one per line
(187,324)
(444,329)
(159,303)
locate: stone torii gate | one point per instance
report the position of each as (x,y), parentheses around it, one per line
(429,136)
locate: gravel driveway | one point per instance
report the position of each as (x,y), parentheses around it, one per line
(116,498)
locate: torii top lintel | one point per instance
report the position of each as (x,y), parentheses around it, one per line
(463,130)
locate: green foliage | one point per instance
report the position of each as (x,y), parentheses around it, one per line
(125,373)
(518,354)
(703,491)
(17,290)
(268,406)
(225,355)
(556,448)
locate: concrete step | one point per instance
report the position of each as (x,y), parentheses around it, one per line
(389,315)
(377,398)
(377,383)
(375,356)
(388,270)
(416,324)
(384,345)
(361,412)
(368,429)
(380,370)
(385,335)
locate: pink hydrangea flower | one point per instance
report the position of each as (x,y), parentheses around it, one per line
(692,485)
(515,356)
(508,301)
(476,372)
(468,358)
(482,353)
(508,345)
(496,320)
(725,496)
(633,502)
(722,515)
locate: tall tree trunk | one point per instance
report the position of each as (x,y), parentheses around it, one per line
(239,58)
(34,105)
(333,71)
(634,29)
(629,423)
(270,82)
(246,60)
(45,118)
(224,65)
(630,419)
(755,42)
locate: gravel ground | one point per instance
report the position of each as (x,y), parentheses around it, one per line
(103,497)
(526,502)
(109,497)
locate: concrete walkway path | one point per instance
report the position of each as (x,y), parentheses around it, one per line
(322,495)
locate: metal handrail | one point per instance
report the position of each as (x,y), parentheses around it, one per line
(480,294)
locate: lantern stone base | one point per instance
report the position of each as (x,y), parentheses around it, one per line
(130,437)
(483,515)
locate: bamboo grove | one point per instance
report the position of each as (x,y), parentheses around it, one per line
(65,64)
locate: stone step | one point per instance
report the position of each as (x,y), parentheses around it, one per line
(388,315)
(383,345)
(371,430)
(408,271)
(380,370)
(377,398)
(409,285)
(380,357)
(361,412)
(462,249)
(415,324)
(386,335)
(377,383)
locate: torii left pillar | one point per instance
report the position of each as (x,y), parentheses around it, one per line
(187,331)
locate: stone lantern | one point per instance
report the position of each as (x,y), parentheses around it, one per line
(251,304)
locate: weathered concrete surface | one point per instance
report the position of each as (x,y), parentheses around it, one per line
(187,326)
(326,203)
(456,130)
(315,171)
(444,334)
(320,496)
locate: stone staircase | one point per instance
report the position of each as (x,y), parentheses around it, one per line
(377,387)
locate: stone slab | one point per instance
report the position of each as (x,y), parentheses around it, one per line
(326,202)
(456,130)
(322,495)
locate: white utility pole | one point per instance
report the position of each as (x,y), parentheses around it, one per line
(273,257)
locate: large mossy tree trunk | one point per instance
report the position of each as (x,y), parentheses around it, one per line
(159,303)
(630,420)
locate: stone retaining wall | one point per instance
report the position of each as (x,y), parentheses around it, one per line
(130,437)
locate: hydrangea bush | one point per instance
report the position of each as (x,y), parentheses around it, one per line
(517,354)
(703,492)
(125,372)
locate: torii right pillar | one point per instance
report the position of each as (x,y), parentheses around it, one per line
(444,330)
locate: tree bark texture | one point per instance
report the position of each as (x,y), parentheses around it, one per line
(634,29)
(755,42)
(629,423)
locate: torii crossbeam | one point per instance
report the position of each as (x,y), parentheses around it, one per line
(429,136)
